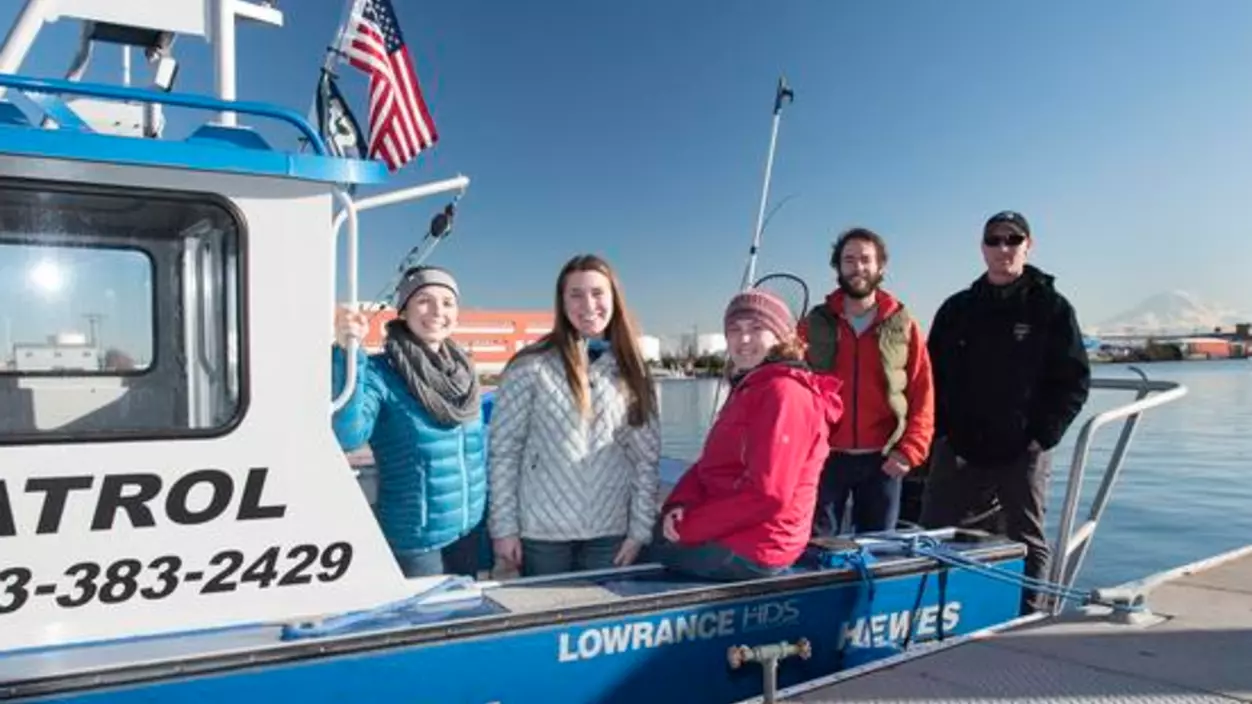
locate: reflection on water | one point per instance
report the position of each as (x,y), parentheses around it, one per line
(1183,492)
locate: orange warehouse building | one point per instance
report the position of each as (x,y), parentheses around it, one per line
(492,337)
(1205,348)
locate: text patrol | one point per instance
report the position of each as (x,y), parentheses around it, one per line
(134,495)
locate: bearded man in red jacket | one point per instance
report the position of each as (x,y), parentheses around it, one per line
(865,337)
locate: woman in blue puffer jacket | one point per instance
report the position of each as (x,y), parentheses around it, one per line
(417,405)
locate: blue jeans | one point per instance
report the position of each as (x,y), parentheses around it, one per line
(705,561)
(875,496)
(415,563)
(461,557)
(545,557)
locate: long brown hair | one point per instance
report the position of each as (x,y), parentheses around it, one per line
(622,334)
(789,350)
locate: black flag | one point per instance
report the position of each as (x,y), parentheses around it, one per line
(783,92)
(335,122)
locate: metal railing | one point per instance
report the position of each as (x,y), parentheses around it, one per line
(348,212)
(1072,544)
(55,86)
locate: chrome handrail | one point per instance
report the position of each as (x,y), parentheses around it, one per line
(1072,545)
(348,211)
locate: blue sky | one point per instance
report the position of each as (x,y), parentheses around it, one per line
(1122,129)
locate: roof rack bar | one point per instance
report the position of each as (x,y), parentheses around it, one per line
(223,38)
(143,95)
(224,14)
(22,34)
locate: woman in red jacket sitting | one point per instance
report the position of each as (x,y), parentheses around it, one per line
(745,508)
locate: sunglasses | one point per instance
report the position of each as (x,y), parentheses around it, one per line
(1014,240)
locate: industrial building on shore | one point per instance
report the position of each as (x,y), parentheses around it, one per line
(492,337)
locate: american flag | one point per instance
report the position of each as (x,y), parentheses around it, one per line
(399,123)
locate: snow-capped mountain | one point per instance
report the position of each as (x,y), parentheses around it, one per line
(1171,313)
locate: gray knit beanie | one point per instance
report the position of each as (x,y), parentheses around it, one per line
(420,277)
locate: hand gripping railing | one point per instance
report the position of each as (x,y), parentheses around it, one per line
(1072,545)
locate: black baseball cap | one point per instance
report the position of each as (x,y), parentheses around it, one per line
(1010,217)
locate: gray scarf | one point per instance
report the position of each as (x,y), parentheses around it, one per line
(444,383)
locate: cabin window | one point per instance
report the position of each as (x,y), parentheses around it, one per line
(120,314)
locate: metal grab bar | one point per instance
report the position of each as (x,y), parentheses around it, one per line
(401,195)
(348,211)
(1072,545)
(187,100)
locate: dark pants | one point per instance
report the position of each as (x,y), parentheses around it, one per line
(545,557)
(705,561)
(875,495)
(461,557)
(465,555)
(1007,498)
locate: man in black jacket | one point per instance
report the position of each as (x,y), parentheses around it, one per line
(1011,375)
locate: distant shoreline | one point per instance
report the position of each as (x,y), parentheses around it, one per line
(1104,360)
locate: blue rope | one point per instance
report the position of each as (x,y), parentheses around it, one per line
(928,546)
(850,653)
(344,622)
(860,561)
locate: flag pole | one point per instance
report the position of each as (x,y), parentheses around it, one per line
(783,92)
(328,60)
(333,51)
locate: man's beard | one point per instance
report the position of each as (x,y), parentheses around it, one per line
(868,286)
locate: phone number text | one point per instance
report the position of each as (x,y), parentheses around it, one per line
(125,579)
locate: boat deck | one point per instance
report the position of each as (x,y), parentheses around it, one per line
(1198,649)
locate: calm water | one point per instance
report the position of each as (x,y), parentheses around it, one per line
(1185,491)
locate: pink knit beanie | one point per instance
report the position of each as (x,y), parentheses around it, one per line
(764,307)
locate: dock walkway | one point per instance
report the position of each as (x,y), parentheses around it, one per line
(1198,650)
